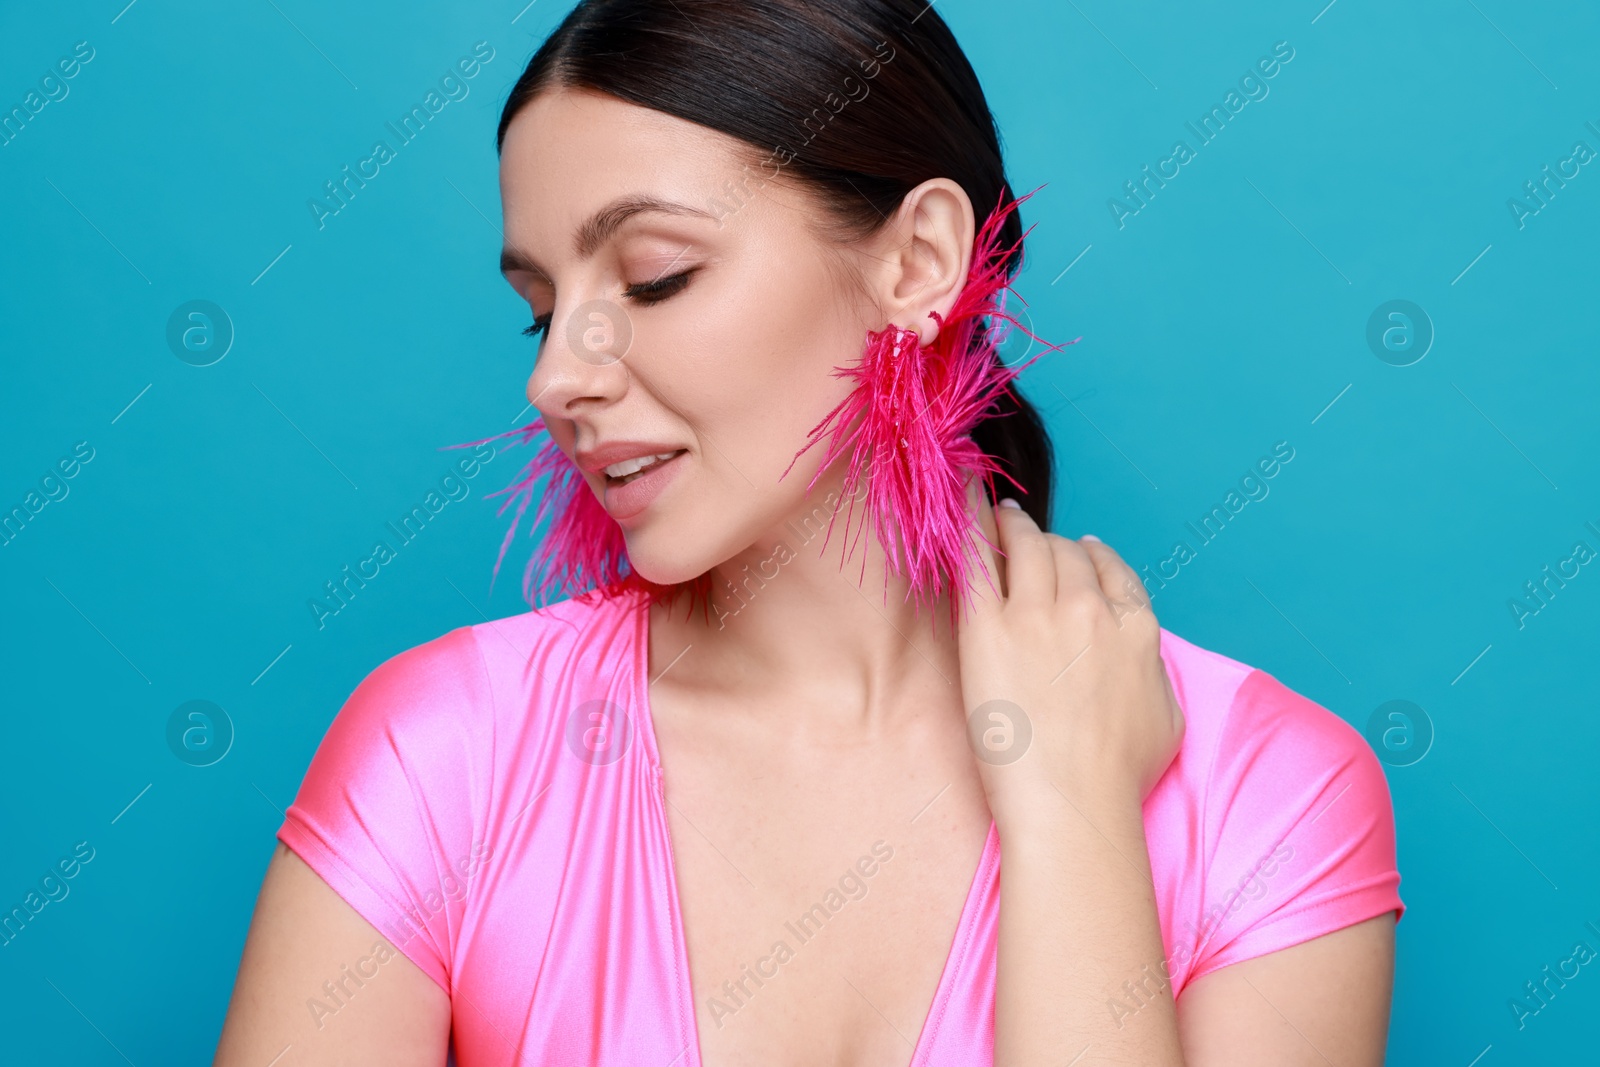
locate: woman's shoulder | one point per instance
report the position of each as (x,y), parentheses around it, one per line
(1258,757)
(451,686)
(1272,826)
(561,644)
(419,754)
(1235,712)
(456,661)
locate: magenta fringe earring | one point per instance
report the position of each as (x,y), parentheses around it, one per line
(913,411)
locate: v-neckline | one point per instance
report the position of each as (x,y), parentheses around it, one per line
(966,926)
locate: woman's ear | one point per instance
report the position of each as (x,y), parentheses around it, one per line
(921,257)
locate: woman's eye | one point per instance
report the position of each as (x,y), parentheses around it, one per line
(540,324)
(656,291)
(645,292)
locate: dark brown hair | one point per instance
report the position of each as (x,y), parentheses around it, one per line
(871,97)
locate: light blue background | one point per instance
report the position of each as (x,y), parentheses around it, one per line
(1227,315)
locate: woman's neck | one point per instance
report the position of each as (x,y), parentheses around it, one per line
(817,623)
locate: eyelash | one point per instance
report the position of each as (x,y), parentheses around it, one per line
(647,293)
(654,292)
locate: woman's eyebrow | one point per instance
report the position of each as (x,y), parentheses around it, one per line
(599,226)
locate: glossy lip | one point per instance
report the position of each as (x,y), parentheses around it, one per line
(595,460)
(623,502)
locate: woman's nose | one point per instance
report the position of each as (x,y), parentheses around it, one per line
(580,356)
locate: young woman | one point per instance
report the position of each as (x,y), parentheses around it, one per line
(747,799)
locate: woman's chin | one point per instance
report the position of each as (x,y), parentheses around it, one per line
(665,568)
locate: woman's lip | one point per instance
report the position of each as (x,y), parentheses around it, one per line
(627,500)
(596,460)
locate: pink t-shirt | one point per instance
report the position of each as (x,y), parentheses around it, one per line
(491,801)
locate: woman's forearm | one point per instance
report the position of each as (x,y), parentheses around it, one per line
(1077,920)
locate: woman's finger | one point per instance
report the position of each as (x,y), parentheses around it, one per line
(985,562)
(1118,583)
(1075,571)
(1030,563)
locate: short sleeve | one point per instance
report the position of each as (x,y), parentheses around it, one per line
(388,811)
(1300,829)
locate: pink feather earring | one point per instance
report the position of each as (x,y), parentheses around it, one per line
(913,411)
(584,550)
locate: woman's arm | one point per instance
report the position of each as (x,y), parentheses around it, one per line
(318,984)
(1078,920)
(1319,1002)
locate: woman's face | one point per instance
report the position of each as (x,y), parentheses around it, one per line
(708,329)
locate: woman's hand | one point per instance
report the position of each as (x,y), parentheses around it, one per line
(1061,672)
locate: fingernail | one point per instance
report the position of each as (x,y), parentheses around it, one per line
(1091,537)
(1009,503)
